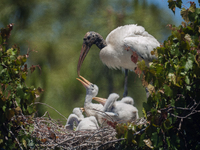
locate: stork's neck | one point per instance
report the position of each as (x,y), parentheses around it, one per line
(100,42)
(70,121)
(81,116)
(88,99)
(94,38)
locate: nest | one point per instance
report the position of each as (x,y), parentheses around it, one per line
(51,134)
(48,133)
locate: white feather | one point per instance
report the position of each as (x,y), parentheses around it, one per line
(122,42)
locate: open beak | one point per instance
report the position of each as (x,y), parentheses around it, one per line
(82,109)
(100,100)
(85,49)
(85,82)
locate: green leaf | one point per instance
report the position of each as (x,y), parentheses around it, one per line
(191,16)
(24,143)
(187,80)
(167,90)
(24,76)
(156,140)
(197,11)
(184,14)
(4,108)
(179,3)
(189,62)
(20,92)
(192,8)
(168,142)
(171,5)
(30,109)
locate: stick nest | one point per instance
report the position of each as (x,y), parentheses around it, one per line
(51,134)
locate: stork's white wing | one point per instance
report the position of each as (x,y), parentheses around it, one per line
(142,45)
(121,32)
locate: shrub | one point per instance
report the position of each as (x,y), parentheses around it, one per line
(15,95)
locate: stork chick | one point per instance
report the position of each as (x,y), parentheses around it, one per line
(91,109)
(118,110)
(88,123)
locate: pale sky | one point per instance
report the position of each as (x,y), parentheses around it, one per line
(164,4)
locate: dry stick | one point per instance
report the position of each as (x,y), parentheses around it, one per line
(193,111)
(179,127)
(114,141)
(47,114)
(104,113)
(50,107)
(97,133)
(82,144)
(65,141)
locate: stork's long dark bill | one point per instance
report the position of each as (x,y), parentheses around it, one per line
(85,49)
(85,82)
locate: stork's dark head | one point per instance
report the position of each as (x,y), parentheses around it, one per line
(89,39)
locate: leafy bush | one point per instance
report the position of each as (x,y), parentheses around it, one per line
(173,109)
(15,96)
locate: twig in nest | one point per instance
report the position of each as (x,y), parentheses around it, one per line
(114,141)
(50,107)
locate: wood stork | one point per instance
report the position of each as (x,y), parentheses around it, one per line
(91,109)
(123,47)
(88,123)
(119,111)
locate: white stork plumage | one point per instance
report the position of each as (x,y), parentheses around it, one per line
(123,47)
(119,111)
(127,100)
(91,109)
(88,123)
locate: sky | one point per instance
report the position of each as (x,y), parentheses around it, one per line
(164,4)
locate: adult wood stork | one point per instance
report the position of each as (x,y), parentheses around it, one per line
(123,47)
(118,110)
(88,123)
(91,109)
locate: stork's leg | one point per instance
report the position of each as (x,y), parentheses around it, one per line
(125,83)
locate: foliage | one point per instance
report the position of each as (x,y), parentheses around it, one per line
(15,96)
(173,109)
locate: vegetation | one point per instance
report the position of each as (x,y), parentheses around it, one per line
(173,109)
(15,95)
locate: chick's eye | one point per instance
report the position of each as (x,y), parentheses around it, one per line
(92,85)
